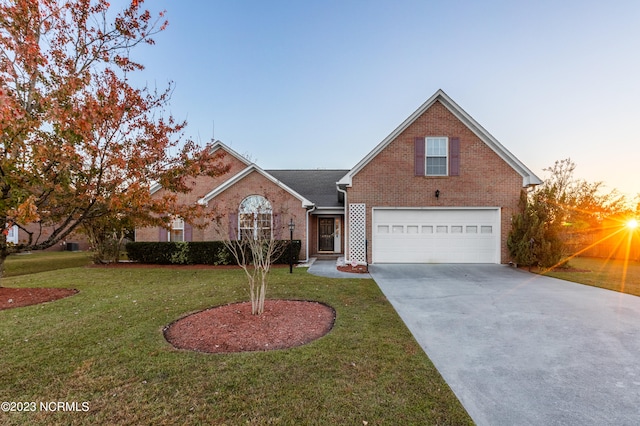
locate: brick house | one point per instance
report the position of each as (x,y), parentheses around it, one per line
(249,199)
(75,241)
(438,189)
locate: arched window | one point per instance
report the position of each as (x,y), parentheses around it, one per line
(254,217)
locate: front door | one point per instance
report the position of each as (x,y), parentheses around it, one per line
(326,234)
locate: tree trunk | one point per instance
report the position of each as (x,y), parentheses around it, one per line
(3,257)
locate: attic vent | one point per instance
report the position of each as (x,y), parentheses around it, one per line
(358,233)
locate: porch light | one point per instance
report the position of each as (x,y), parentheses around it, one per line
(292,226)
(437,193)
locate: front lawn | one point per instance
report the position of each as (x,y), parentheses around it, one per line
(616,275)
(104,347)
(40,261)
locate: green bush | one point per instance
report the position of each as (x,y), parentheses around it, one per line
(195,253)
(534,237)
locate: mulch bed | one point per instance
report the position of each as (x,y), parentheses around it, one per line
(358,269)
(232,328)
(17,297)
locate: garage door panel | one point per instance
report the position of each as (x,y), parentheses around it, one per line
(436,236)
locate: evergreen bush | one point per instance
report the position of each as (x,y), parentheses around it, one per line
(195,253)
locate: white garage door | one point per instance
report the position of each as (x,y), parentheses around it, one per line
(436,235)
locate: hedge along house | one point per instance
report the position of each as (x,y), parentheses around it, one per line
(438,189)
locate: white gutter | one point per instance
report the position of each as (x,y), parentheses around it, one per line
(347,242)
(307,233)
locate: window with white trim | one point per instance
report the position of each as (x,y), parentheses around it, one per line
(254,218)
(177,230)
(12,234)
(437,156)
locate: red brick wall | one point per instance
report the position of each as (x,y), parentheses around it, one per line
(201,186)
(283,204)
(42,233)
(485,179)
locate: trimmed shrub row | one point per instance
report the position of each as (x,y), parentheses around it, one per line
(195,253)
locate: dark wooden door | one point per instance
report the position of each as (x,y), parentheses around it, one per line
(325,233)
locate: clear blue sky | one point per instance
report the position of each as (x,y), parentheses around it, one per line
(318,84)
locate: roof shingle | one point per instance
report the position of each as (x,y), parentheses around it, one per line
(318,186)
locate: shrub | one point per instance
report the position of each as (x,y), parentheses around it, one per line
(194,253)
(534,237)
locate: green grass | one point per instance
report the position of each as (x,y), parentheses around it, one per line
(616,275)
(105,346)
(30,263)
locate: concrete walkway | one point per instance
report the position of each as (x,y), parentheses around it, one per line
(328,268)
(522,349)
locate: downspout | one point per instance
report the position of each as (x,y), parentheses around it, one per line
(307,232)
(346,224)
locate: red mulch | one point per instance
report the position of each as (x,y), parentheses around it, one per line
(17,297)
(358,269)
(232,328)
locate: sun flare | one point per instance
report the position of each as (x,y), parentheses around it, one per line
(632,224)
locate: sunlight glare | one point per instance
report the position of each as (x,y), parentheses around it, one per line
(632,224)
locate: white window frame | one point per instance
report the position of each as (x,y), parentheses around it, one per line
(255,217)
(438,155)
(12,234)
(176,233)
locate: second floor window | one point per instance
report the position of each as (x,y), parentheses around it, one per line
(436,157)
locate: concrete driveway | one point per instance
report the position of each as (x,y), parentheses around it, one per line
(521,349)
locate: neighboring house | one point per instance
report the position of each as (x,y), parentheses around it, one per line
(12,234)
(438,189)
(76,241)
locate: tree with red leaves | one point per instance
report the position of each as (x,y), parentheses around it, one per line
(77,141)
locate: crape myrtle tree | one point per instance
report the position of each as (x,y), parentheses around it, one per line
(78,142)
(254,239)
(553,216)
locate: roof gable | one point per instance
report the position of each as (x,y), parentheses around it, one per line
(216,146)
(244,173)
(528,177)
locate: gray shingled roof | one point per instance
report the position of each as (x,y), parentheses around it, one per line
(318,186)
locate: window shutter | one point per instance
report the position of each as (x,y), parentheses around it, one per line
(233,225)
(162,234)
(454,157)
(277,226)
(419,148)
(188,232)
